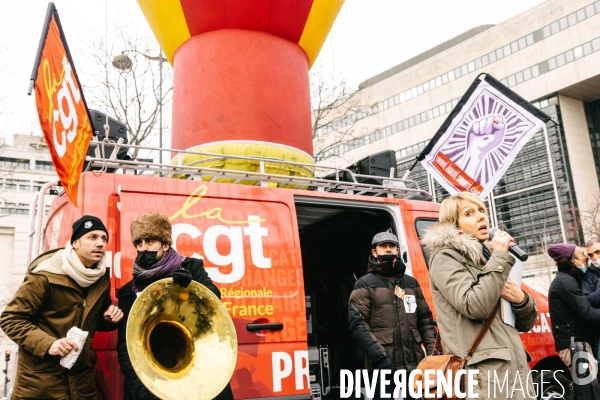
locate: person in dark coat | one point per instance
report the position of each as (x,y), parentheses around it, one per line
(590,285)
(64,288)
(388,315)
(156,259)
(570,310)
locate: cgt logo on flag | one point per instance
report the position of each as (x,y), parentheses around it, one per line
(481,138)
(62,110)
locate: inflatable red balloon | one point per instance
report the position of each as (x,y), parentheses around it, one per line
(241,75)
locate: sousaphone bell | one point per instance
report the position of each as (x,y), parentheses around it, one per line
(181,341)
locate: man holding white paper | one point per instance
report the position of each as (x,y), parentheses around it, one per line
(65,288)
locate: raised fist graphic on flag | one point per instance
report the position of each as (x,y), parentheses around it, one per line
(484,135)
(480,139)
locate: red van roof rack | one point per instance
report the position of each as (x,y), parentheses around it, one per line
(357,184)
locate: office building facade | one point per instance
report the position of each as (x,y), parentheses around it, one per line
(548,55)
(25,166)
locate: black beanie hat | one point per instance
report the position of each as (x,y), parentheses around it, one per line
(86,224)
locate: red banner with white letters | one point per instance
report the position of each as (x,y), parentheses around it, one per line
(62,110)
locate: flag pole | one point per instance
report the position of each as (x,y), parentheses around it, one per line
(51,9)
(410,169)
(554,184)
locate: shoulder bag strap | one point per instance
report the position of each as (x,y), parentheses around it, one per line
(482,332)
(478,339)
(437,344)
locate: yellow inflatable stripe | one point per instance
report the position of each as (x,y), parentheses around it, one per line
(320,20)
(168,23)
(253,149)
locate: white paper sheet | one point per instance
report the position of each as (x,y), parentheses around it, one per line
(78,336)
(506,311)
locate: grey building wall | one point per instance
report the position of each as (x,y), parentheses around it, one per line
(548,55)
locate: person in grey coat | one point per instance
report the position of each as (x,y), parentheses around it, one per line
(467,280)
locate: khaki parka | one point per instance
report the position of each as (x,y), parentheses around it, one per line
(44,308)
(465,288)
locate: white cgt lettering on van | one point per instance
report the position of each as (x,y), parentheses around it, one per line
(282,368)
(188,229)
(235,257)
(256,233)
(542,325)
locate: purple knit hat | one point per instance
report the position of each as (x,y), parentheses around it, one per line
(561,252)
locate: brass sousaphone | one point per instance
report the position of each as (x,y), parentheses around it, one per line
(181,341)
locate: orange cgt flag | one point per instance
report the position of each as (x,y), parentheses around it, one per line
(62,110)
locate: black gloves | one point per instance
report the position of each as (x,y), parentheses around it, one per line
(182,277)
(142,393)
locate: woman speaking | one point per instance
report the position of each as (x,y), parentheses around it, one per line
(467,281)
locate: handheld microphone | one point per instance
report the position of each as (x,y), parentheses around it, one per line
(513,249)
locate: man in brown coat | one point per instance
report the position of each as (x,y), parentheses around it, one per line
(388,315)
(65,288)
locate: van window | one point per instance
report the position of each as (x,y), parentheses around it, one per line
(421,225)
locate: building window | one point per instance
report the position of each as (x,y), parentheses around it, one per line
(532,216)
(14,211)
(592,114)
(37,186)
(10,184)
(44,165)
(12,163)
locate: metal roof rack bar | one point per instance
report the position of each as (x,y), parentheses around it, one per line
(388,186)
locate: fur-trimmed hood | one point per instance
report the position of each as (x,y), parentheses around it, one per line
(441,236)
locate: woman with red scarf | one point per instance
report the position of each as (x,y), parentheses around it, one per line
(156,259)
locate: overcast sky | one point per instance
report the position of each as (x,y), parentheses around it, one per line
(368,37)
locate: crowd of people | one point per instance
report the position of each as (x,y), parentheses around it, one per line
(469,275)
(387,312)
(70,287)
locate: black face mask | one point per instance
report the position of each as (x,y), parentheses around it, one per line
(146,259)
(386,258)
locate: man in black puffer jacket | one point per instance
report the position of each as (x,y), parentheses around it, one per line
(388,315)
(156,259)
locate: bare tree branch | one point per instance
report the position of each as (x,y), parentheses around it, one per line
(131,95)
(335,110)
(590,218)
(545,237)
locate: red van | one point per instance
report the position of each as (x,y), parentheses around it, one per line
(285,261)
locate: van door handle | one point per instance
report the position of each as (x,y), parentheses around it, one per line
(276,326)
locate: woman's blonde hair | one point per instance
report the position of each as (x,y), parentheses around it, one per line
(450,208)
